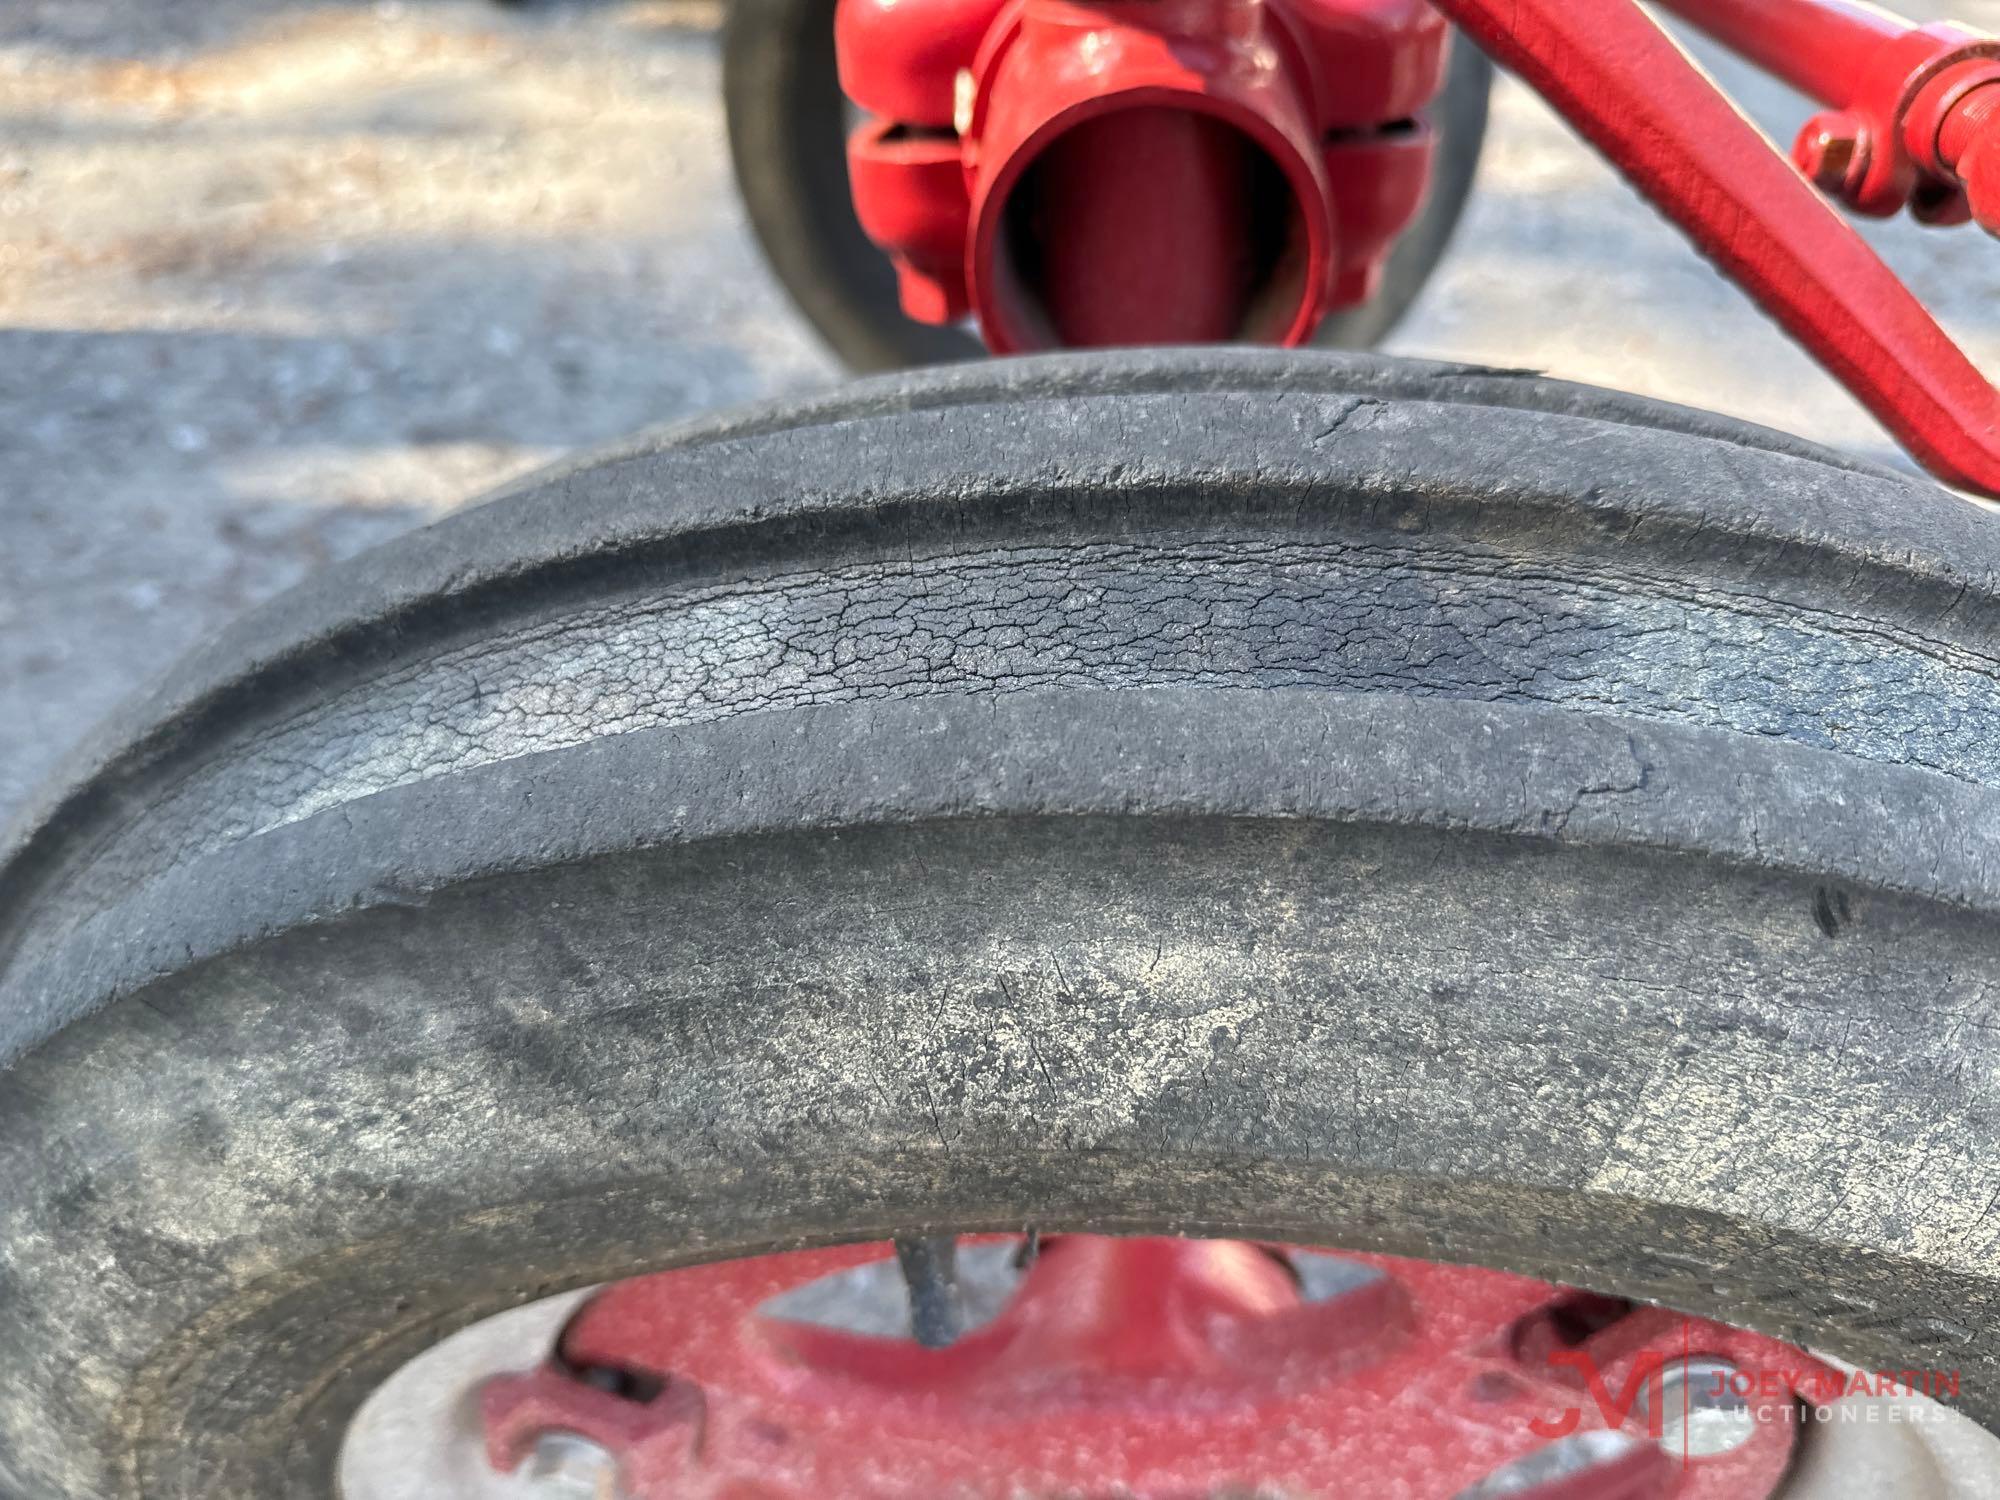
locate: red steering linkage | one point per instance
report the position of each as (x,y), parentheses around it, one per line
(1625,85)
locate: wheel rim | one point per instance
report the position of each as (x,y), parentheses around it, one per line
(798,1374)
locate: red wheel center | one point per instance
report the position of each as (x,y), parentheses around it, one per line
(1155,1368)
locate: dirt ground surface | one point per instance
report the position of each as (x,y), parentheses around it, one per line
(282,278)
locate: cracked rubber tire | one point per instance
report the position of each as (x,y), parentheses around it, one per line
(1355,802)
(787,140)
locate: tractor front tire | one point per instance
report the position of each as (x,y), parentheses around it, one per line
(1340,801)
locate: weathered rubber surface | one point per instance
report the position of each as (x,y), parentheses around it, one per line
(1356,802)
(787,140)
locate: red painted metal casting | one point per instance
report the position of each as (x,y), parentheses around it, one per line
(1097,172)
(1148,1368)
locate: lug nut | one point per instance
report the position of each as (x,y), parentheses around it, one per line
(1702,1411)
(1565,1466)
(569,1466)
(1832,150)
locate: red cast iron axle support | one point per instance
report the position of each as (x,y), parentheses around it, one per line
(1093,172)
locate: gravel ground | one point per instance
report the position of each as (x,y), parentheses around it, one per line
(279,280)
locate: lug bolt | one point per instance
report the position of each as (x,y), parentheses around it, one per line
(568,1466)
(1564,1466)
(1702,1412)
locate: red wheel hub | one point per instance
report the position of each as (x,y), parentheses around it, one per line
(1162,1369)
